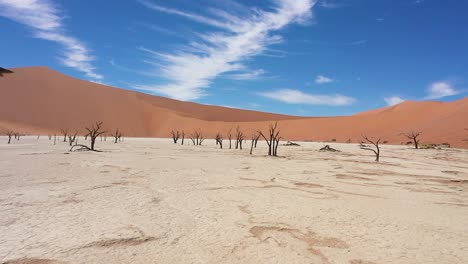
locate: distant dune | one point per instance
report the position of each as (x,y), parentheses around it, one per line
(39,100)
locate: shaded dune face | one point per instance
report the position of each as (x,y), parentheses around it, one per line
(39,100)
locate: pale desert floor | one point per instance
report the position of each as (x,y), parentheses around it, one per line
(150,201)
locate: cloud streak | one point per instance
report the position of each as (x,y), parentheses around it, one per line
(190,71)
(440,89)
(320,79)
(330,4)
(291,96)
(393,100)
(43,17)
(253,75)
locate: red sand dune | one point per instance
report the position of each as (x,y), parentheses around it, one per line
(38,100)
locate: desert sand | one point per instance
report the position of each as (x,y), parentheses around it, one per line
(150,201)
(39,100)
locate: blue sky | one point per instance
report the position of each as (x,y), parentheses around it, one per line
(300,57)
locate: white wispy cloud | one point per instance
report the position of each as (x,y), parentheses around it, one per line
(320,79)
(291,96)
(194,17)
(192,69)
(330,4)
(43,16)
(393,100)
(441,89)
(252,75)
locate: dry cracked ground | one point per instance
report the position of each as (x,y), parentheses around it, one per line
(150,201)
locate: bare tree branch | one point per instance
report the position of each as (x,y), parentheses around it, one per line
(219,140)
(376,148)
(175,136)
(93,132)
(117,135)
(64,132)
(9,134)
(414,136)
(272,139)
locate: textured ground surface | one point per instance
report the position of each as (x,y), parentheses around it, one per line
(150,201)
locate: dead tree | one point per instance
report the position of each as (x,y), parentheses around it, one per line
(17,136)
(219,140)
(117,134)
(375,145)
(253,143)
(9,134)
(65,134)
(229,135)
(239,138)
(414,136)
(272,139)
(183,137)
(275,147)
(71,138)
(93,132)
(55,139)
(256,140)
(197,137)
(175,136)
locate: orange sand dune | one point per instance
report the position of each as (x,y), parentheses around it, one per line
(41,100)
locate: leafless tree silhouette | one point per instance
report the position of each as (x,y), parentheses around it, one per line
(64,133)
(229,135)
(93,132)
(375,148)
(183,137)
(414,136)
(272,139)
(239,138)
(175,136)
(219,140)
(71,139)
(197,137)
(9,133)
(117,134)
(254,140)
